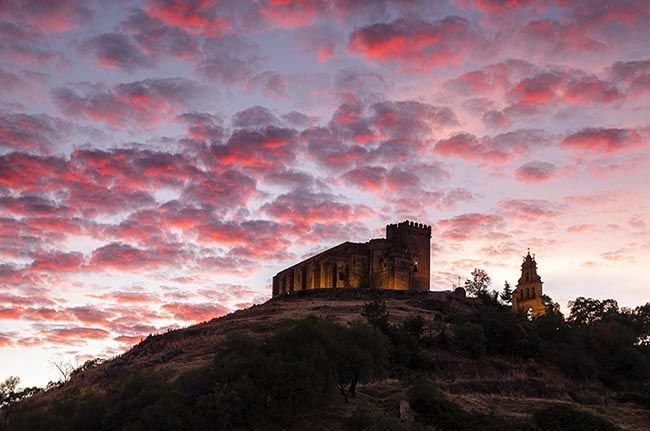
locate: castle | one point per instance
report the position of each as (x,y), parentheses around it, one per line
(401,261)
(528,294)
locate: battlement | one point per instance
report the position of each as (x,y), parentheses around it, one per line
(393,230)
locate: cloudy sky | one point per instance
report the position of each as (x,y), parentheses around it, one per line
(160,161)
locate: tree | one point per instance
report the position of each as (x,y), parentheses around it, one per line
(506,294)
(65,367)
(551,306)
(479,283)
(10,395)
(376,314)
(585,311)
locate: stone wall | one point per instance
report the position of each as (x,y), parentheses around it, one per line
(401,261)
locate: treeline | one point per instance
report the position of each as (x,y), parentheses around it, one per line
(272,383)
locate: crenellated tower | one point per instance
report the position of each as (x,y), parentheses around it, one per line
(413,241)
(528,294)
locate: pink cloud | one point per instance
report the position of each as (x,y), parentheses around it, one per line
(536,172)
(50,16)
(139,104)
(470,226)
(599,140)
(529,210)
(499,149)
(292,13)
(591,90)
(308,207)
(418,44)
(557,38)
(195,312)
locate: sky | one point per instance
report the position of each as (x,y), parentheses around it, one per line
(161,160)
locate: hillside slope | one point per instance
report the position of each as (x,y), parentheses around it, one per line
(508,388)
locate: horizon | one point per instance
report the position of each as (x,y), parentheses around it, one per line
(161,160)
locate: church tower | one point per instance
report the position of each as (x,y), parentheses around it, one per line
(528,294)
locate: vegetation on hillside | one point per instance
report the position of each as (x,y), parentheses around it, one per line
(272,383)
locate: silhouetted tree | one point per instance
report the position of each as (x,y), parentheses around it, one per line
(642,322)
(551,306)
(10,394)
(377,315)
(506,294)
(585,311)
(479,283)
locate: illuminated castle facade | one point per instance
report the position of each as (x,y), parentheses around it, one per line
(401,261)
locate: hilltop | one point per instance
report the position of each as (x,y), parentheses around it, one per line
(494,387)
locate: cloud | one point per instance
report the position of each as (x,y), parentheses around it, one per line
(203,126)
(139,104)
(74,335)
(553,39)
(378,178)
(116,50)
(529,210)
(155,39)
(418,45)
(627,71)
(50,16)
(299,120)
(501,6)
(32,205)
(410,119)
(470,226)
(260,239)
(359,86)
(23,44)
(195,312)
(320,41)
(30,173)
(599,140)
(254,117)
(309,207)
(261,150)
(591,90)
(292,13)
(57,262)
(224,191)
(499,149)
(229,60)
(41,134)
(124,257)
(192,16)
(535,172)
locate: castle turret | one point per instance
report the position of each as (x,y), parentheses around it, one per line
(527,297)
(413,240)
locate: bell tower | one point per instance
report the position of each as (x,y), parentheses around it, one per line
(528,294)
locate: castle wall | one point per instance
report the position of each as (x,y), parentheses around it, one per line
(400,261)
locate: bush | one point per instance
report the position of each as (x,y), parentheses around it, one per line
(430,406)
(376,314)
(566,418)
(471,339)
(414,325)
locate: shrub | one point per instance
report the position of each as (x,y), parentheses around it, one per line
(376,314)
(414,325)
(566,418)
(471,339)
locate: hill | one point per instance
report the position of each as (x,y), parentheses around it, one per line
(441,361)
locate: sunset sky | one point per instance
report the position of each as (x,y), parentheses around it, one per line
(161,161)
